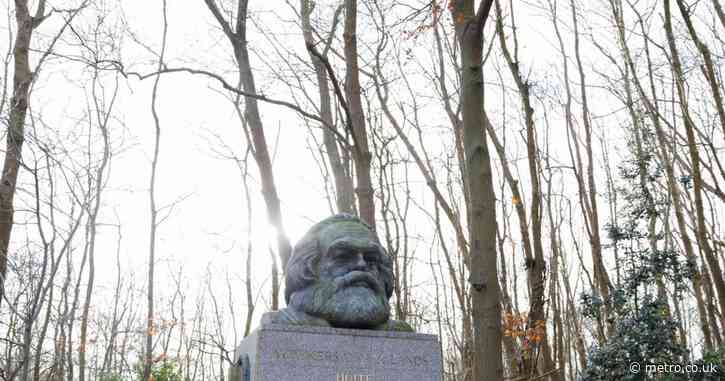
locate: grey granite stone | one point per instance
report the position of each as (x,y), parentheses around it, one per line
(278,352)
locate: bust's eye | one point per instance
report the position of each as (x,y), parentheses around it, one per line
(341,253)
(371,256)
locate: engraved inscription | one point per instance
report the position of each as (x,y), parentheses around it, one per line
(362,359)
(353,377)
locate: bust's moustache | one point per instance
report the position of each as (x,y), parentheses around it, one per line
(354,277)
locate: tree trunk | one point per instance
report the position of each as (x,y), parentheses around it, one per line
(22,79)
(92,226)
(535,266)
(674,190)
(362,155)
(719,11)
(701,228)
(483,279)
(600,272)
(238,38)
(709,68)
(344,196)
(153,223)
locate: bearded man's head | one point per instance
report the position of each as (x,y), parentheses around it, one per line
(340,272)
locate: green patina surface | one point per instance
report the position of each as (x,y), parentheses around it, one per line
(352,232)
(395,325)
(317,304)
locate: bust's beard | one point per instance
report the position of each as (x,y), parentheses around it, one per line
(344,304)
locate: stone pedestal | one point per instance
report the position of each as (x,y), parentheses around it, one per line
(276,352)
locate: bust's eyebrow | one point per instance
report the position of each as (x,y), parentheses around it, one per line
(344,244)
(340,245)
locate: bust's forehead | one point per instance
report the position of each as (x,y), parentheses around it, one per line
(351,232)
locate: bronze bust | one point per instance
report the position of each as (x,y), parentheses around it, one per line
(339,275)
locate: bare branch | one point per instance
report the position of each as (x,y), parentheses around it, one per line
(220,18)
(484,9)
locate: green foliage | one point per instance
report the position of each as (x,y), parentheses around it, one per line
(162,371)
(643,336)
(591,305)
(717,360)
(637,234)
(166,372)
(111,377)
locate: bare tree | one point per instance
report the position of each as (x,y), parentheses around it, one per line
(22,81)
(701,228)
(363,156)
(153,222)
(345,201)
(99,115)
(237,36)
(486,307)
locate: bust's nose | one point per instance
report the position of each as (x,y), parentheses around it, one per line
(359,262)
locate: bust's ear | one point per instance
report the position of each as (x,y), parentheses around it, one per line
(318,248)
(385,268)
(314,263)
(302,268)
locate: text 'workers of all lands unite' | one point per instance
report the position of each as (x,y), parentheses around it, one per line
(650,369)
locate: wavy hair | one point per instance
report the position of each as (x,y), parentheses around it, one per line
(303,267)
